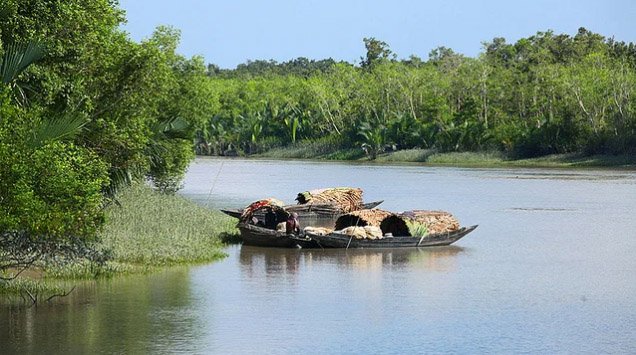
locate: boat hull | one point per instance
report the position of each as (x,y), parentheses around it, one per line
(336,240)
(263,237)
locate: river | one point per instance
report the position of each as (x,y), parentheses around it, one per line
(551,268)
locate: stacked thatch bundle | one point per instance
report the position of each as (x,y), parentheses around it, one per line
(435,221)
(366,232)
(346,199)
(388,222)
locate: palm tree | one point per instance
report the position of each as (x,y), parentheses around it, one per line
(15,60)
(17,249)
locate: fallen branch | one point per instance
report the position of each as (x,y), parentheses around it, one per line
(61,295)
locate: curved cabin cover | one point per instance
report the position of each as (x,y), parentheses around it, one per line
(400,224)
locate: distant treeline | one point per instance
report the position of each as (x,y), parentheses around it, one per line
(548,93)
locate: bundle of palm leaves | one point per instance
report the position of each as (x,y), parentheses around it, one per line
(346,199)
(434,221)
(417,229)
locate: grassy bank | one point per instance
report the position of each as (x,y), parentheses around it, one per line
(146,230)
(324,149)
(497,159)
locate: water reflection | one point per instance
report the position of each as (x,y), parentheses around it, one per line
(256,261)
(272,262)
(124,315)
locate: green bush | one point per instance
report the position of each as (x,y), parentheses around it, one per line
(169,164)
(53,191)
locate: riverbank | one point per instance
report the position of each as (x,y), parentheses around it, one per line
(146,230)
(497,159)
(323,151)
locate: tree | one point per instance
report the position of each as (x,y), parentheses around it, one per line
(376,51)
(50,189)
(100,111)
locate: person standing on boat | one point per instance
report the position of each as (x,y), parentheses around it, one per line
(292,226)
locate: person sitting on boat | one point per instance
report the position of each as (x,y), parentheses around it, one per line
(270,219)
(292,225)
(255,221)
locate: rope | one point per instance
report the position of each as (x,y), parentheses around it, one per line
(351,237)
(207,200)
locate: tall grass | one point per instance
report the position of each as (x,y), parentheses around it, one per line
(467,158)
(145,231)
(580,160)
(29,290)
(149,229)
(159,229)
(407,155)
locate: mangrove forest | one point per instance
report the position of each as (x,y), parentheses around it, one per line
(85,111)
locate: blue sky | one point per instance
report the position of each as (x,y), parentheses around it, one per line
(230,32)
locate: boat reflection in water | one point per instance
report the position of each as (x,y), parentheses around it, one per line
(272,262)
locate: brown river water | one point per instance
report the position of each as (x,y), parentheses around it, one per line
(551,268)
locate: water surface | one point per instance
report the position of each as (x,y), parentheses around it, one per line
(552,268)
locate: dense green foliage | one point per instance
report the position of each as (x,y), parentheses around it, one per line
(84,111)
(544,94)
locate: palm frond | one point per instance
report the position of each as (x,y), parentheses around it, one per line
(63,127)
(174,127)
(119,178)
(17,57)
(155,151)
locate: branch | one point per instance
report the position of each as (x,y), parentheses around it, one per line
(329,115)
(61,295)
(34,299)
(15,262)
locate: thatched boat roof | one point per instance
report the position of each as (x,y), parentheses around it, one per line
(388,222)
(347,199)
(268,203)
(396,223)
(362,218)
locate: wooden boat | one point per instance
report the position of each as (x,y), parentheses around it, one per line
(337,240)
(304,211)
(263,237)
(235,213)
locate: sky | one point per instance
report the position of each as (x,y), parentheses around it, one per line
(228,33)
